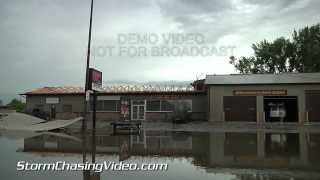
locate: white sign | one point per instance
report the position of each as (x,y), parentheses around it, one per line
(88,95)
(52,100)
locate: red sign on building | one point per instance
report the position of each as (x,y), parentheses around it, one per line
(95,79)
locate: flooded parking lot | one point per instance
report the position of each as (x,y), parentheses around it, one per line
(189,155)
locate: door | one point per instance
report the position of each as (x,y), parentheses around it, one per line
(53,112)
(313,105)
(240,108)
(138,109)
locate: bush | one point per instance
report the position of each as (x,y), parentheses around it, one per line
(17,105)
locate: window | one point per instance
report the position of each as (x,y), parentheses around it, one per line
(153,105)
(167,105)
(99,105)
(110,105)
(107,105)
(183,105)
(138,102)
(67,108)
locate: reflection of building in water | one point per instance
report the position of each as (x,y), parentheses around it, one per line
(90,175)
(226,149)
(262,150)
(147,143)
(284,145)
(163,143)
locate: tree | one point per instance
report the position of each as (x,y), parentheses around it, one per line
(17,105)
(307,42)
(245,64)
(302,54)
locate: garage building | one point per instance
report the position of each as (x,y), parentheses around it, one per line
(288,97)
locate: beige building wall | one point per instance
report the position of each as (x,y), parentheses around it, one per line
(75,101)
(199,107)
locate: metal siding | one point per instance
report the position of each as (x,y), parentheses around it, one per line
(242,79)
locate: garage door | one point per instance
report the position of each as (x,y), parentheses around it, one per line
(281,109)
(313,105)
(240,108)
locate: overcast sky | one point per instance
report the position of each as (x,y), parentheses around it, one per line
(43,42)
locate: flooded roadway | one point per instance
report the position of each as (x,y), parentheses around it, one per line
(229,155)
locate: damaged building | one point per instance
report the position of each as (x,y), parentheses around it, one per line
(256,98)
(144,102)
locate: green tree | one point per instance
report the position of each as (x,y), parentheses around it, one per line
(302,54)
(17,105)
(307,43)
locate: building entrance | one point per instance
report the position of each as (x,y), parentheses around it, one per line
(281,109)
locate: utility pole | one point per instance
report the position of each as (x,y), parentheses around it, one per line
(84,121)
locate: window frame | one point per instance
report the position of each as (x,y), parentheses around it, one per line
(152,110)
(161,111)
(161,106)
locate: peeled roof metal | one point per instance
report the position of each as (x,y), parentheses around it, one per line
(114,89)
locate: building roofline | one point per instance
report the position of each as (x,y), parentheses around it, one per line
(263,79)
(262,84)
(120,93)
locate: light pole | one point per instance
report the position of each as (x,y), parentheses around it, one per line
(84,121)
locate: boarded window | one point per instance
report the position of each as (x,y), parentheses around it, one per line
(153,105)
(67,108)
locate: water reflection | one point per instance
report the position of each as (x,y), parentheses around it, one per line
(244,155)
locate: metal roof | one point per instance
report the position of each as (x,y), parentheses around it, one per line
(245,79)
(57,90)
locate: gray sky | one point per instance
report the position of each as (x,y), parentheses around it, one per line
(43,42)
